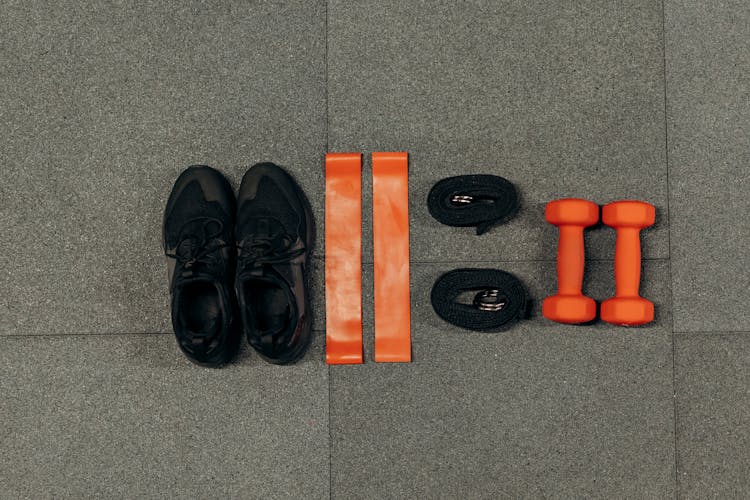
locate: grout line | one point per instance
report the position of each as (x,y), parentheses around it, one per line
(328,368)
(330,438)
(669,249)
(666,135)
(685,334)
(325,65)
(92,335)
(714,333)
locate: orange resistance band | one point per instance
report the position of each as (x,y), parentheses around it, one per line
(343,258)
(390,227)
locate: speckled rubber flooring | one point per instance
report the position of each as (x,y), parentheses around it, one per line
(102,104)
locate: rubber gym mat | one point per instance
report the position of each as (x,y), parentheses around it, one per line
(343,258)
(390,227)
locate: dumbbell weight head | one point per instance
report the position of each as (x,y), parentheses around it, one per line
(629,213)
(571,309)
(627,311)
(572,212)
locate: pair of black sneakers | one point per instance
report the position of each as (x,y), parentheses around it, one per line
(239,264)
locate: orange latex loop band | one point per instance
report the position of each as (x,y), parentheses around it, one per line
(390,226)
(343,258)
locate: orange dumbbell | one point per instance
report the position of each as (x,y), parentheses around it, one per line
(627,307)
(571,216)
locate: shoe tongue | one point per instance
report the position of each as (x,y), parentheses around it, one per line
(266,239)
(265,226)
(267,231)
(196,271)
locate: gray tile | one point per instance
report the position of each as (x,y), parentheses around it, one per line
(114,416)
(542,410)
(563,100)
(708,76)
(712,376)
(102,106)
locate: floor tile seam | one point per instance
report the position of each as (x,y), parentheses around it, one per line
(669,253)
(102,334)
(319,332)
(682,334)
(711,333)
(90,334)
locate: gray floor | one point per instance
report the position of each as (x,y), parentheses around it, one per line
(102,105)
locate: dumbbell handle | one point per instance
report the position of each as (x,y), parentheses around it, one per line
(570,260)
(628,262)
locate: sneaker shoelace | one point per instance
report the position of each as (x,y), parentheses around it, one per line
(195,249)
(259,249)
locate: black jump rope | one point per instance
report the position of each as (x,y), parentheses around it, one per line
(487,300)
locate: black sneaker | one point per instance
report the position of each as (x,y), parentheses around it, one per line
(274,233)
(199,242)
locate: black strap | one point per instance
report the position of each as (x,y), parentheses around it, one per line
(496,299)
(473,200)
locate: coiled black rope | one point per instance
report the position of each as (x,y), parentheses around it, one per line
(499,299)
(473,200)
